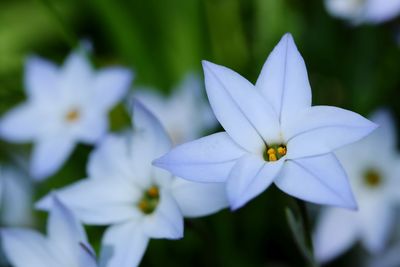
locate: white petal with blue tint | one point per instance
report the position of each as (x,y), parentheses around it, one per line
(284,81)
(41,79)
(249,177)
(337,231)
(166,221)
(49,154)
(199,199)
(65,230)
(98,201)
(110,85)
(240,108)
(319,179)
(208,159)
(32,245)
(20,124)
(123,245)
(323,129)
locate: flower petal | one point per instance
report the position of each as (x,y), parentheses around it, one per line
(86,257)
(49,155)
(123,245)
(149,127)
(20,124)
(65,231)
(166,221)
(284,81)
(110,85)
(91,127)
(76,71)
(199,199)
(98,202)
(249,177)
(41,79)
(376,12)
(32,245)
(336,231)
(377,221)
(318,179)
(110,160)
(321,129)
(385,136)
(208,159)
(240,108)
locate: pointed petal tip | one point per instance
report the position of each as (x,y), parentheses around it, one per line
(234,207)
(351,204)
(205,63)
(286,38)
(287,35)
(235,203)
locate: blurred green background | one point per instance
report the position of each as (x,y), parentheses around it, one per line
(351,67)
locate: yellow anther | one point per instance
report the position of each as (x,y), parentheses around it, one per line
(372,178)
(282,151)
(153,192)
(271,151)
(72,115)
(143,205)
(272,157)
(149,201)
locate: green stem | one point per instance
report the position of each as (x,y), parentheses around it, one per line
(300,226)
(306,225)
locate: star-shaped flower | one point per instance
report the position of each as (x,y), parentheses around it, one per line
(138,199)
(65,246)
(185,114)
(373,165)
(364,11)
(65,105)
(273,135)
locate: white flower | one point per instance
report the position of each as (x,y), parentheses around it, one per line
(272,135)
(138,199)
(373,165)
(65,246)
(65,105)
(364,11)
(185,114)
(388,258)
(15,197)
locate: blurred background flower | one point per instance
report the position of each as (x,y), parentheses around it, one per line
(364,11)
(373,166)
(356,68)
(185,113)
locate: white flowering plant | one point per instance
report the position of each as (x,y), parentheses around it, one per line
(199,133)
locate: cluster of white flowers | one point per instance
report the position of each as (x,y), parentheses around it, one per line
(272,135)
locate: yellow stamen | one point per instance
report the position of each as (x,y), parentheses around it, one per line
(72,115)
(271,151)
(149,201)
(153,192)
(282,150)
(143,205)
(272,157)
(372,178)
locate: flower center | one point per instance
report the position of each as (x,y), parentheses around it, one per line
(72,115)
(372,178)
(274,152)
(149,201)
